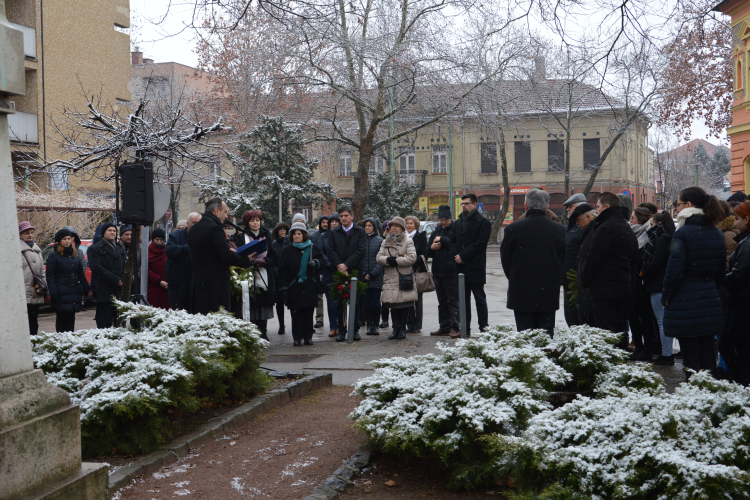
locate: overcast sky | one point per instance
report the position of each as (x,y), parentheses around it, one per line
(170,41)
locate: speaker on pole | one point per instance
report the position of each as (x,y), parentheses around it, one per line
(137,191)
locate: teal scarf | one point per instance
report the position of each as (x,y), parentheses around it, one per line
(306,248)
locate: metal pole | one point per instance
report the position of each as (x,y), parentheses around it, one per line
(450,172)
(352,311)
(281,218)
(462,303)
(144,262)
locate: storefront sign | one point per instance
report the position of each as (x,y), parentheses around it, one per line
(520,189)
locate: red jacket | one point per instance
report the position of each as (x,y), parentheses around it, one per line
(157,265)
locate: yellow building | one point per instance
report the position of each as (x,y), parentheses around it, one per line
(71,47)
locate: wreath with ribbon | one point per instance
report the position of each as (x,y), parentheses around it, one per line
(341,286)
(240,274)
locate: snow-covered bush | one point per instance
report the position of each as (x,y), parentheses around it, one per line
(133,385)
(622,379)
(443,404)
(585,352)
(693,444)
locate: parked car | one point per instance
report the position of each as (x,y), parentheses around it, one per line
(83,251)
(427,226)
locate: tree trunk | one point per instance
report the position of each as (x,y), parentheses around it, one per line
(362,178)
(127,279)
(506,189)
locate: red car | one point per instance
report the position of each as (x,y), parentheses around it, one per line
(82,250)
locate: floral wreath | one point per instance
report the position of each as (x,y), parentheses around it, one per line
(342,285)
(240,274)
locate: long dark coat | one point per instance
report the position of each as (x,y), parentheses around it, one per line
(653,273)
(349,250)
(532,254)
(573,240)
(66,281)
(107,263)
(470,238)
(369,263)
(611,265)
(585,306)
(696,268)
(212,259)
(262,298)
(443,260)
(737,282)
(299,295)
(179,261)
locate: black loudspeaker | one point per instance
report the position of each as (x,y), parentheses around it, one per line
(137,192)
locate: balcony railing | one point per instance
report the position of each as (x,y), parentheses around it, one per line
(23,127)
(29,39)
(412,177)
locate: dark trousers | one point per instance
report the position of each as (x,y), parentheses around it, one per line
(414,321)
(319,315)
(302,323)
(65,322)
(262,325)
(385,309)
(734,344)
(642,319)
(33,311)
(179,297)
(446,289)
(400,317)
(105,315)
(572,317)
(535,320)
(280,314)
(480,297)
(698,353)
(609,315)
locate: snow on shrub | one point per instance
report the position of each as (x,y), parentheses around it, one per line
(586,352)
(132,384)
(441,404)
(621,379)
(692,444)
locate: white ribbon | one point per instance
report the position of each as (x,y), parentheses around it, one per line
(245,300)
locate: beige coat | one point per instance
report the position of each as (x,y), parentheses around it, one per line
(403,249)
(34,255)
(727,227)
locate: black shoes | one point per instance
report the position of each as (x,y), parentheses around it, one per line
(401,333)
(264,336)
(282,330)
(318,324)
(383,324)
(664,360)
(308,342)
(374,330)
(357,337)
(394,334)
(341,336)
(297,343)
(644,354)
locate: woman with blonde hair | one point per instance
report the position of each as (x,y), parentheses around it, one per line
(396,256)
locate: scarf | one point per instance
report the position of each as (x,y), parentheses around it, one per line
(30,243)
(306,248)
(411,235)
(683,216)
(395,236)
(647,252)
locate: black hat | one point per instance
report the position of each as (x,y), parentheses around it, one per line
(106,226)
(125,228)
(444,212)
(62,233)
(738,196)
(158,233)
(579,210)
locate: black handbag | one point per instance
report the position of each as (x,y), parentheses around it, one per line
(405,281)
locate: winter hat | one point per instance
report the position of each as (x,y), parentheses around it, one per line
(397,221)
(738,196)
(301,217)
(576,198)
(24,226)
(158,233)
(62,233)
(579,210)
(334,216)
(280,226)
(298,225)
(125,228)
(182,222)
(444,212)
(106,226)
(385,225)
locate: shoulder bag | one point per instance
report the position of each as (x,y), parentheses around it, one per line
(425,283)
(405,281)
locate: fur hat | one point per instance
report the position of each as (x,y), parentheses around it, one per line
(397,221)
(444,212)
(298,225)
(279,227)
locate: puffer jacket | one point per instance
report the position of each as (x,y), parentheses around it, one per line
(66,281)
(403,249)
(31,255)
(737,282)
(369,263)
(696,267)
(730,233)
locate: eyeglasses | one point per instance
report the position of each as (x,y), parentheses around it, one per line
(681,203)
(465,203)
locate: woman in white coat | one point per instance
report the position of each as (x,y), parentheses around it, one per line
(32,263)
(397,254)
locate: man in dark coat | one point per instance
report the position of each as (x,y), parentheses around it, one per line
(212,258)
(470,238)
(346,249)
(573,240)
(180,265)
(532,255)
(107,260)
(444,273)
(611,265)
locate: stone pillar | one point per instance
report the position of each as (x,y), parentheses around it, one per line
(40,430)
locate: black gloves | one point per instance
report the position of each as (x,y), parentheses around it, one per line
(314,264)
(392,261)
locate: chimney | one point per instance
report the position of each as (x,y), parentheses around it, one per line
(146,60)
(540,68)
(136,57)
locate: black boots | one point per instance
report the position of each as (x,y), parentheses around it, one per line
(372,315)
(399,323)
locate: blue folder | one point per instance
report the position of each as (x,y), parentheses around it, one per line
(256,246)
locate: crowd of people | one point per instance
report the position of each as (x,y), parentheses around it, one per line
(634,270)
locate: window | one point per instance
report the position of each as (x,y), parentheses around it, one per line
(407,161)
(214,171)
(590,153)
(377,165)
(345,165)
(488,154)
(555,156)
(523,156)
(439,159)
(58,179)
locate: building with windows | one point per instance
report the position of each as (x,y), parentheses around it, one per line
(739,132)
(467,149)
(71,48)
